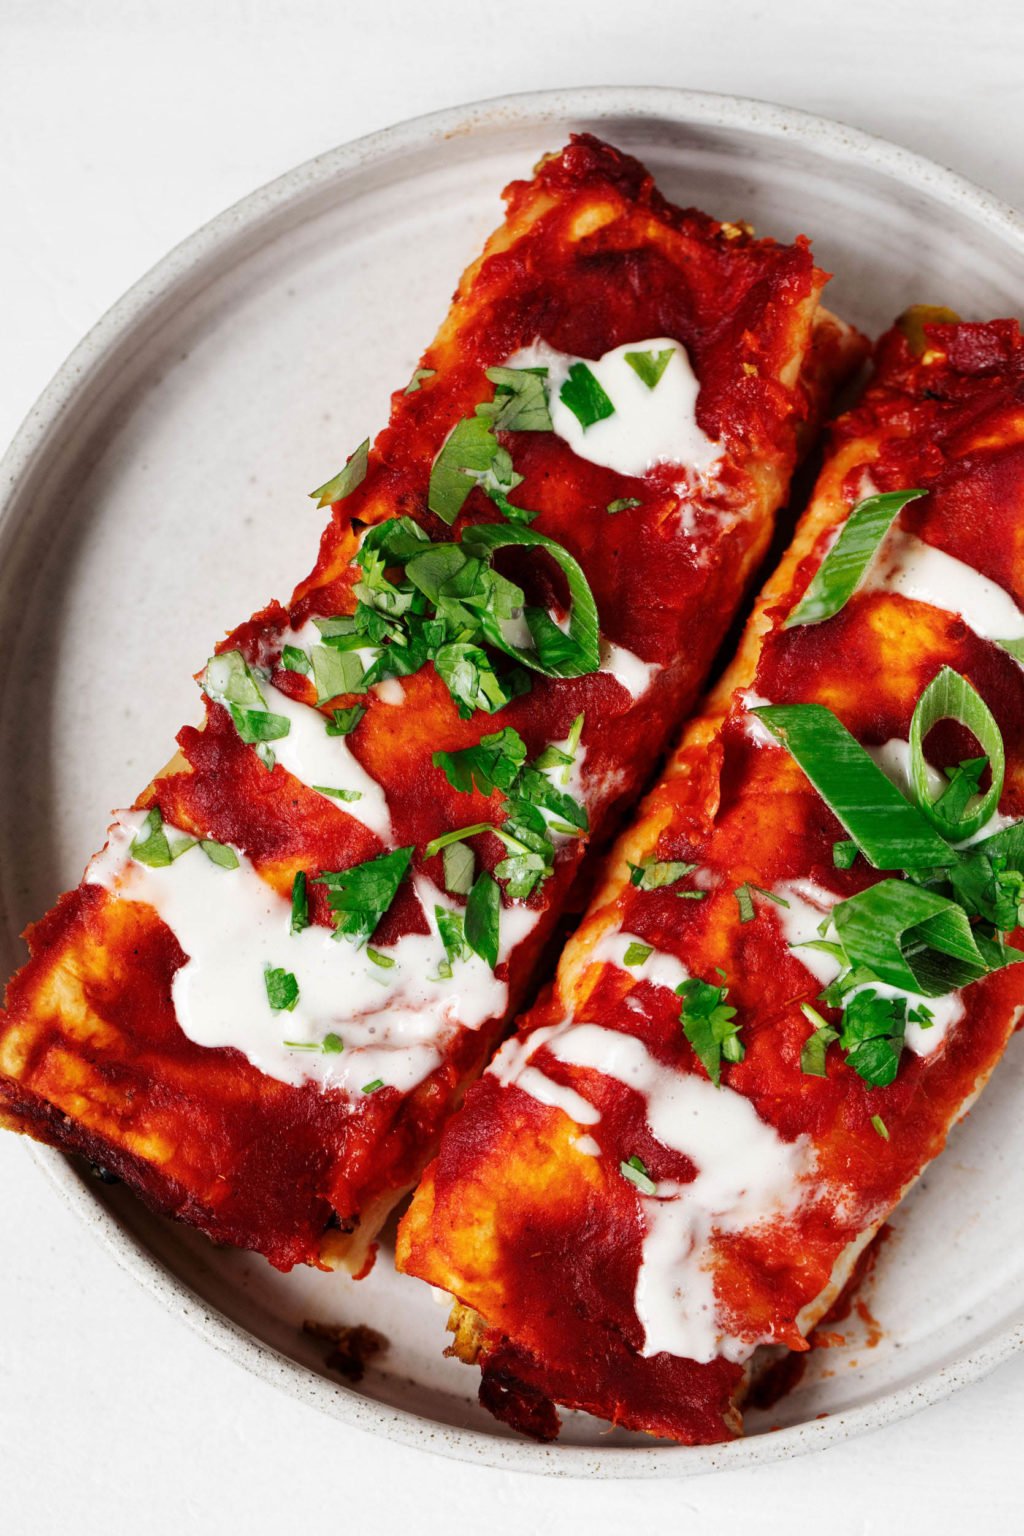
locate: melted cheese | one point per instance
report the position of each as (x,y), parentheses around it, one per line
(232,926)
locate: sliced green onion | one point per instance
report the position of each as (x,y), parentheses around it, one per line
(556,654)
(951,697)
(378,1082)
(909,937)
(889,831)
(384,961)
(623,504)
(880,1126)
(839,574)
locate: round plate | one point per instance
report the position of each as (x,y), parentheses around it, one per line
(156,494)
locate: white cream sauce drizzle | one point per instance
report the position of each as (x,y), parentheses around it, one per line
(232,925)
(648,427)
(309,754)
(746,1176)
(627,669)
(662,969)
(909,567)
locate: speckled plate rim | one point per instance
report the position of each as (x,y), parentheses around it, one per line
(69,390)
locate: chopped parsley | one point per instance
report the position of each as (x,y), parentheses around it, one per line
(415,384)
(459,868)
(634,1170)
(300,903)
(652,874)
(344,721)
(584,396)
(649,366)
(346,480)
(636,953)
(745,899)
(153,847)
(623,504)
(709,1024)
(330,1045)
(358,897)
(282,989)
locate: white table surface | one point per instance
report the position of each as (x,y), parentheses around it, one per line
(123,126)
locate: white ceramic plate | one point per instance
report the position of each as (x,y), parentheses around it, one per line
(156,494)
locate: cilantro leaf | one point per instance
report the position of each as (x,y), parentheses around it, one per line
(282,989)
(637,953)
(219,853)
(652,874)
(359,896)
(344,721)
(585,397)
(649,366)
(623,504)
(416,382)
(634,1170)
(709,1025)
(459,866)
(493,763)
(346,480)
(293,659)
(468,450)
(300,903)
(520,401)
(482,919)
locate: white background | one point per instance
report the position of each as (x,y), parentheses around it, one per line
(122,127)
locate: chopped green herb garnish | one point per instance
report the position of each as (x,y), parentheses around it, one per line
(344,721)
(467,453)
(623,504)
(378,1082)
(585,397)
(745,898)
(230,681)
(636,953)
(520,401)
(842,569)
(330,1045)
(951,697)
(494,763)
(459,867)
(812,1057)
(652,874)
(483,917)
(452,929)
(415,383)
(359,896)
(339,794)
(346,480)
(844,853)
(293,659)
(880,1126)
(219,853)
(384,961)
(282,989)
(649,366)
(300,903)
(336,672)
(150,846)
(634,1170)
(709,1025)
